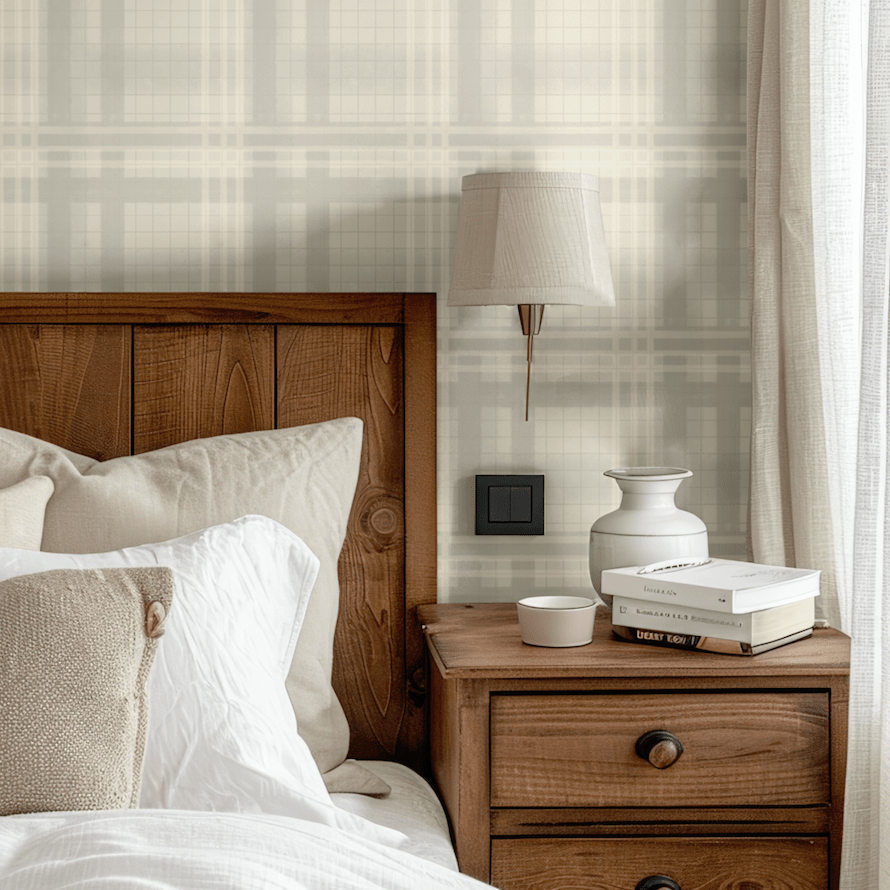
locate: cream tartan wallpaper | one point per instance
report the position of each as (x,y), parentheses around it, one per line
(308,145)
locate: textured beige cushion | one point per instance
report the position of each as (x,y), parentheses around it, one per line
(21,512)
(76,648)
(303,477)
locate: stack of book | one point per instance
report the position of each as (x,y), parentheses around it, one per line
(716,605)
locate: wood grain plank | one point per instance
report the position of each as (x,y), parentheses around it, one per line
(360,374)
(203,308)
(741,749)
(459,753)
(192,381)
(840,715)
(69,385)
(484,637)
(679,821)
(799,863)
(421,551)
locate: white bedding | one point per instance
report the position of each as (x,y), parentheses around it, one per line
(167,849)
(411,808)
(182,850)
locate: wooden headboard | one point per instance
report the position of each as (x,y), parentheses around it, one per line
(107,375)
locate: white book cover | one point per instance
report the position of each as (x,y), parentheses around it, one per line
(721,585)
(751,627)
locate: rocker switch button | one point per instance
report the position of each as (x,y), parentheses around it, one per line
(499,503)
(509,503)
(521,503)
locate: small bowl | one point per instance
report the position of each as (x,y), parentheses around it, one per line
(556,621)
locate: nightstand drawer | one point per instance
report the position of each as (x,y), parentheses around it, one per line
(584,864)
(740,749)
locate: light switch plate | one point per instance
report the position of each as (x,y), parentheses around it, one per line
(509,505)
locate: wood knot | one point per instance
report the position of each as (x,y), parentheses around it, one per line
(380,519)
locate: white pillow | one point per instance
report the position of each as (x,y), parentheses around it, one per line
(22,507)
(222,734)
(303,477)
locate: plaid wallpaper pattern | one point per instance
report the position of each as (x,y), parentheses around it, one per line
(309,145)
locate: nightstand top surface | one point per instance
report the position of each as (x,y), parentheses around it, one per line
(482,640)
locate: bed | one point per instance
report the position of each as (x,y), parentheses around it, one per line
(241,487)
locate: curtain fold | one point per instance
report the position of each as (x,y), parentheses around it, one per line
(787,522)
(866,858)
(819,206)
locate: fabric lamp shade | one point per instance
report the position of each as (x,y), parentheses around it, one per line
(526,238)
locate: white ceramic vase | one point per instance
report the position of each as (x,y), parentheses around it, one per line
(647,527)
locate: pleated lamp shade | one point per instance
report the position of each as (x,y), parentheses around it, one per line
(525,238)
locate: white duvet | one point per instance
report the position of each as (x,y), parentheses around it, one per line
(183,850)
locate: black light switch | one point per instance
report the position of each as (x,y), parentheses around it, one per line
(509,505)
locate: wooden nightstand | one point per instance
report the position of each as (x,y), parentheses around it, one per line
(534,754)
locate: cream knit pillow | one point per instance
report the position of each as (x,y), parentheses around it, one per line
(76,649)
(21,512)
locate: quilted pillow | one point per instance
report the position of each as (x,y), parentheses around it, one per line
(303,477)
(21,512)
(76,648)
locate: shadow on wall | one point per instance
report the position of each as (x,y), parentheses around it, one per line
(392,245)
(309,233)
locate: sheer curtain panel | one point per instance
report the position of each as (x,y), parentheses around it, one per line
(819,162)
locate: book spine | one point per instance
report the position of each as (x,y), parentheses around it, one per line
(681,619)
(681,641)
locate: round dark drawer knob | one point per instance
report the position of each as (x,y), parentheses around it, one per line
(658,882)
(660,747)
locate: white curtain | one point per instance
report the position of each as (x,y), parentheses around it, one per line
(819,203)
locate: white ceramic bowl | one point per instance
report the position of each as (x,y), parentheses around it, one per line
(556,621)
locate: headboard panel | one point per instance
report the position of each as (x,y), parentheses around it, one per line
(112,374)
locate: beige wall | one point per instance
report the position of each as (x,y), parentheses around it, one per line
(301,145)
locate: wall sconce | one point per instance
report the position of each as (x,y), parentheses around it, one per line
(528,239)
